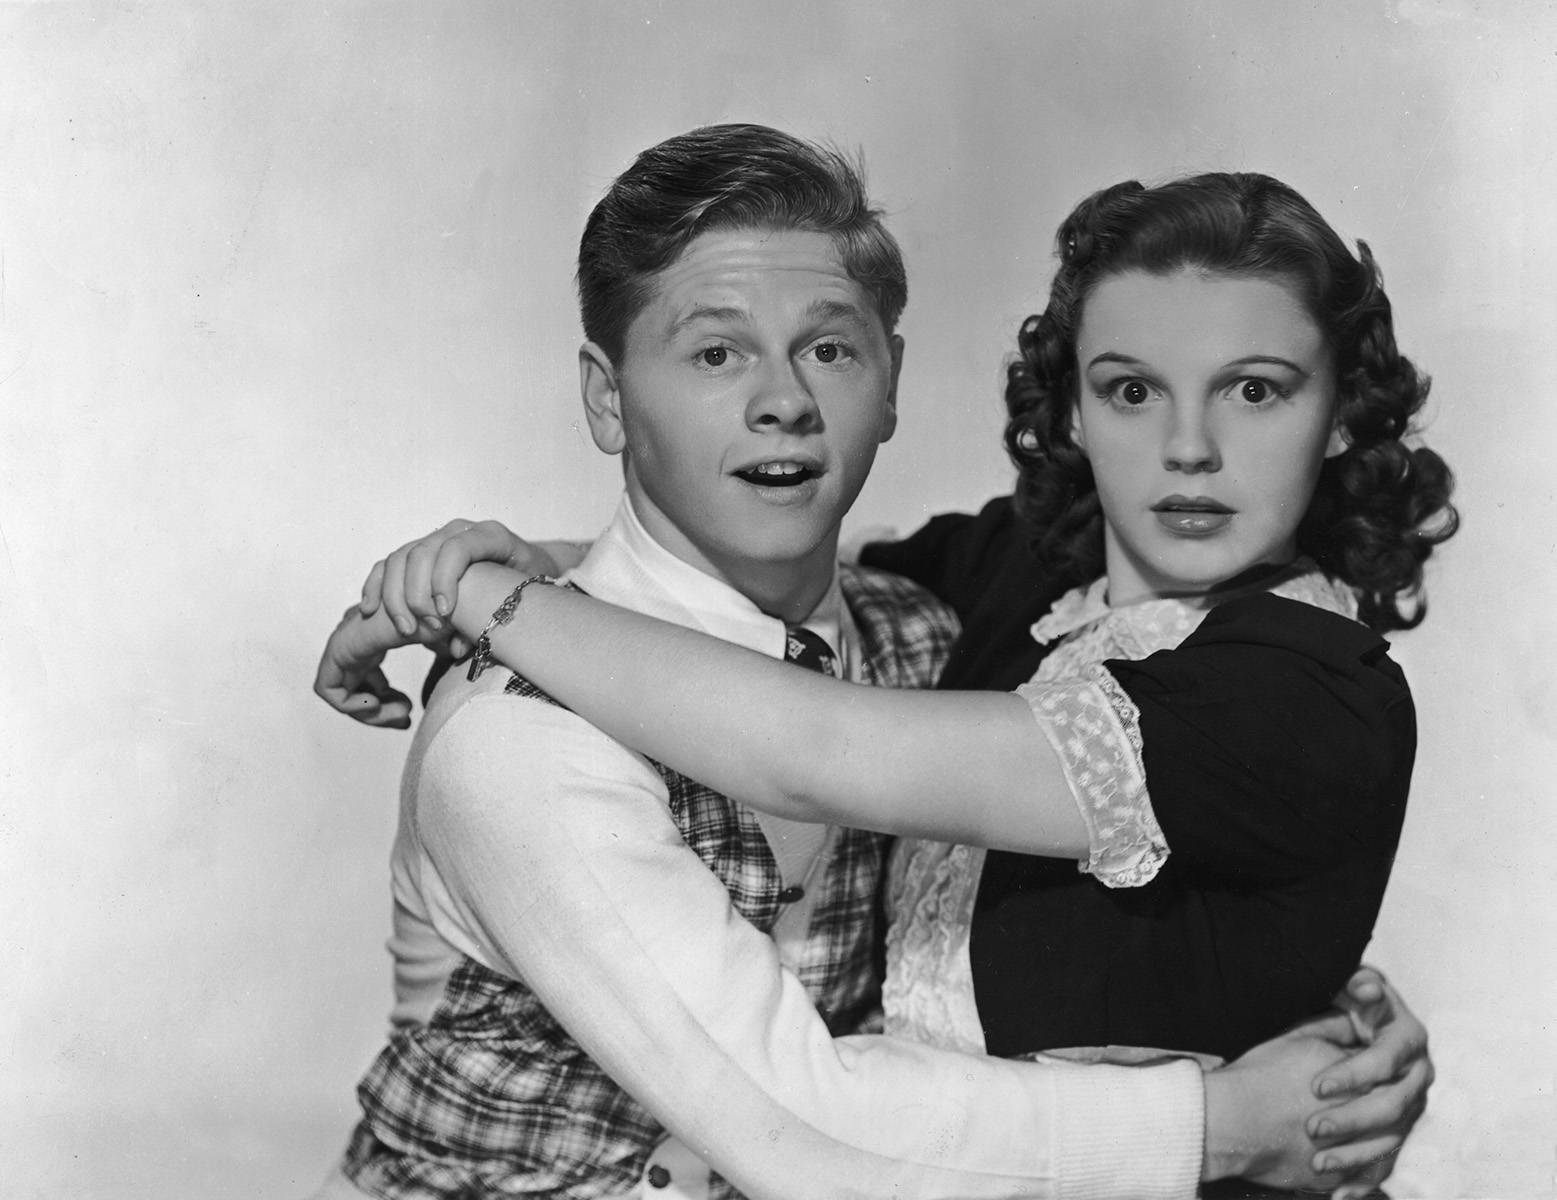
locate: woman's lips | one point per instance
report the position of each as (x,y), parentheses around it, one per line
(1199,516)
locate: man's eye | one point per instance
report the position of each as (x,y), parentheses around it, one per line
(829,353)
(714,356)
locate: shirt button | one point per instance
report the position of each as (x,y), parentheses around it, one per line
(658,1176)
(791,894)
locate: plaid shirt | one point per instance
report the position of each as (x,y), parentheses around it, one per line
(493,1096)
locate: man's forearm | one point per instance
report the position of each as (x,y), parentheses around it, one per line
(586,892)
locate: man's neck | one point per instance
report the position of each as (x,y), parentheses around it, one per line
(788,589)
(780,590)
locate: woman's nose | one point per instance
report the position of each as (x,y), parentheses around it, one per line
(1191,445)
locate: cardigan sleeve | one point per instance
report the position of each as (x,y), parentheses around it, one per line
(558,863)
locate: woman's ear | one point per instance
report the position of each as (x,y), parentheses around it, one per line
(1077,434)
(602,398)
(1338,443)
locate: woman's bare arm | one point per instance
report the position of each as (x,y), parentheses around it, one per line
(968,767)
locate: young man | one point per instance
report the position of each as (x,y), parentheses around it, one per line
(606,974)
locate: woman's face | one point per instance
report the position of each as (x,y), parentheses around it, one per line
(1206,406)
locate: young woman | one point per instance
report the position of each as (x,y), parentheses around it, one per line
(1209,421)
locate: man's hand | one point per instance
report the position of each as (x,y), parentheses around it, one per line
(350,678)
(1258,1109)
(1362,1101)
(418,585)
(1381,1083)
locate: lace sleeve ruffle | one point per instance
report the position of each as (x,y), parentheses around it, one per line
(1094,727)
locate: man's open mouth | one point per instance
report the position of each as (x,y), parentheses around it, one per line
(777,474)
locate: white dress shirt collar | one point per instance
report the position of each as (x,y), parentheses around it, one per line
(627,566)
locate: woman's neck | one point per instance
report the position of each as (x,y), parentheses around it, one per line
(1260,577)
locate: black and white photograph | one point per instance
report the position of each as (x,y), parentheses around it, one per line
(846,600)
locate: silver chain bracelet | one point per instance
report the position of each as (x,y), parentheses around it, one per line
(481,658)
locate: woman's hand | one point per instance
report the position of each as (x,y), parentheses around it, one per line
(418,584)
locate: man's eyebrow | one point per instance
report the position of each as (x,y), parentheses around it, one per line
(821,309)
(709,312)
(834,310)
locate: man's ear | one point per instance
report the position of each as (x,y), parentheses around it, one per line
(889,418)
(602,398)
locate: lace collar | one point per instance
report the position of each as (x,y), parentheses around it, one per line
(1163,623)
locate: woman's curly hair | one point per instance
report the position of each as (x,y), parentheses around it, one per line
(1379,507)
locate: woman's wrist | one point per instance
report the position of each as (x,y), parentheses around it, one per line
(483,588)
(481,653)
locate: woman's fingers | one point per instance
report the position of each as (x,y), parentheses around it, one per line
(453,557)
(372,589)
(393,593)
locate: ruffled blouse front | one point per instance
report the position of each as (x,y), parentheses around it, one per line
(1094,728)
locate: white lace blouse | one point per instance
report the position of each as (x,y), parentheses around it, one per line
(1094,728)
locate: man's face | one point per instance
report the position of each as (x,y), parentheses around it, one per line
(752,392)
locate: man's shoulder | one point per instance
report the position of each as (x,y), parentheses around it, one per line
(873,589)
(907,633)
(502,718)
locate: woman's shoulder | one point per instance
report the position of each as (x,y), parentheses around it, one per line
(968,559)
(1299,717)
(1277,632)
(1279,739)
(1269,618)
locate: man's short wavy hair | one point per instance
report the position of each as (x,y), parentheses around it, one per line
(1379,507)
(724,177)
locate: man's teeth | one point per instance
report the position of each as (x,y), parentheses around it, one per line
(777,474)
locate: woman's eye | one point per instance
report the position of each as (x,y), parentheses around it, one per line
(1257,391)
(714,356)
(1131,392)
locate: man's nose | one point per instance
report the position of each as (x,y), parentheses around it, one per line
(783,400)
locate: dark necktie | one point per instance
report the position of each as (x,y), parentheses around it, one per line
(809,650)
(796,846)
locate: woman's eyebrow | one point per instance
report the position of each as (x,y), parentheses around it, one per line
(1247,360)
(1269,360)
(1113,356)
